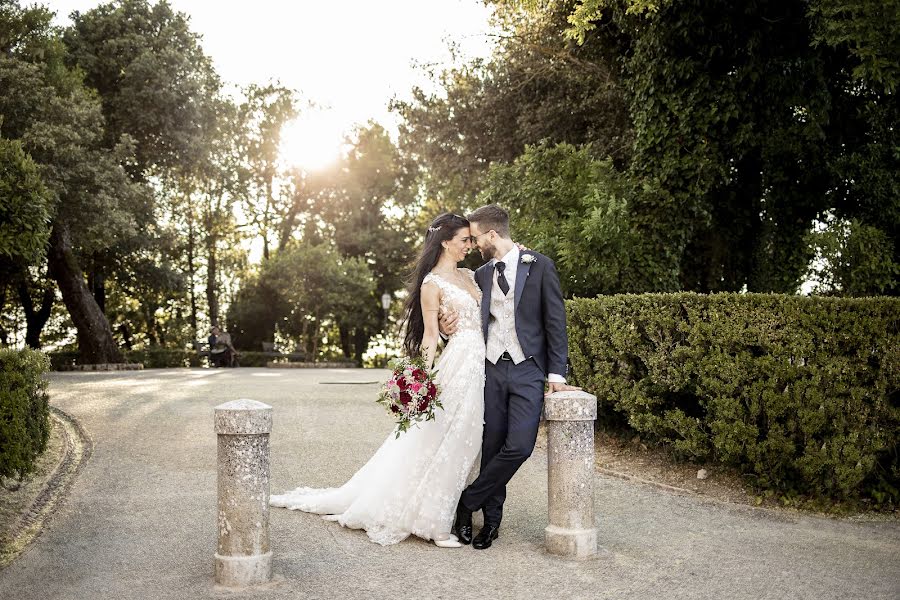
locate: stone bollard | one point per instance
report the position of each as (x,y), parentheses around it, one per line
(570,420)
(243,556)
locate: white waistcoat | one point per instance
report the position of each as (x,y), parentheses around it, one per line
(502,326)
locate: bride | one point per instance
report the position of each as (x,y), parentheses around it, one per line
(412,484)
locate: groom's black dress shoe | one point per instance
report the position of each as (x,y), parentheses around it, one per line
(463,526)
(488,534)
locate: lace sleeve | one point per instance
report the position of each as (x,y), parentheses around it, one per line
(430,278)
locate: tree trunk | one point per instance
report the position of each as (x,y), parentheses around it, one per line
(361,341)
(95,339)
(97,283)
(4,336)
(315,339)
(191,270)
(35,319)
(211,275)
(346,343)
(150,320)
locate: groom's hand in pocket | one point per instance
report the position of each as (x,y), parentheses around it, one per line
(554,386)
(448,322)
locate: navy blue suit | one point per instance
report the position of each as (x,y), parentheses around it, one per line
(514,394)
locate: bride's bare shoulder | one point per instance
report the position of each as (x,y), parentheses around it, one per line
(430,282)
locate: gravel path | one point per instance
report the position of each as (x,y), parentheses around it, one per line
(139,520)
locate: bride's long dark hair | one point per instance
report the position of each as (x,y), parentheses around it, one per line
(443,228)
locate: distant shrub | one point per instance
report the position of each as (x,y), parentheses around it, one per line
(24,410)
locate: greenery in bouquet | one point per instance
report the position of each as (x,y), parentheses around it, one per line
(410,394)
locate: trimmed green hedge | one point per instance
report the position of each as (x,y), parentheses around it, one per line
(801,394)
(165,358)
(151,358)
(24,410)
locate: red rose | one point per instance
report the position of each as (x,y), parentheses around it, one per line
(423,404)
(395,408)
(432,389)
(405,398)
(419,374)
(402,384)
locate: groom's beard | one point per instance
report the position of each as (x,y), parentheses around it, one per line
(487,253)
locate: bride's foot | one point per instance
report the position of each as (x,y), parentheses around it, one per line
(448,543)
(331,517)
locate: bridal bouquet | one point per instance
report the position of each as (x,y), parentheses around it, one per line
(410,394)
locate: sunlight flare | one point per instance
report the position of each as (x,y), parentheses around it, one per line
(313,141)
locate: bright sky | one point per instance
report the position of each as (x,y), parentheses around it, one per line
(352,56)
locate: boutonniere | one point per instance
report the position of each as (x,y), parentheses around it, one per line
(527,259)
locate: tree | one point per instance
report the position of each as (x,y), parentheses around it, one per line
(750,122)
(60,125)
(265,112)
(158,87)
(24,210)
(854,260)
(366,213)
(311,286)
(153,78)
(24,231)
(575,208)
(536,87)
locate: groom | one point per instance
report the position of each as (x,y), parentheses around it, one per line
(524,323)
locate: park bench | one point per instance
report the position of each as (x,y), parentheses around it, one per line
(202,349)
(269,349)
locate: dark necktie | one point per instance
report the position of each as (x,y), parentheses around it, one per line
(501,278)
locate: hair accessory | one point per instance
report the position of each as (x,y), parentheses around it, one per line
(433,229)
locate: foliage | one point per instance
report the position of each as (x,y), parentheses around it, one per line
(305,287)
(869,30)
(255,312)
(24,410)
(152,77)
(800,393)
(24,209)
(748,122)
(264,113)
(362,204)
(536,87)
(571,206)
(60,125)
(854,260)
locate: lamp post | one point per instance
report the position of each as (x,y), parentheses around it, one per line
(385,305)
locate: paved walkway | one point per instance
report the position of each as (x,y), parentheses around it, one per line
(139,522)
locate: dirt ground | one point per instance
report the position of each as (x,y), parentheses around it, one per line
(631,459)
(17,497)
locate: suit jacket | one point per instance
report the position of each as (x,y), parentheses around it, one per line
(539,309)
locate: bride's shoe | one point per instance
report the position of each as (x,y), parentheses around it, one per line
(331,517)
(450,542)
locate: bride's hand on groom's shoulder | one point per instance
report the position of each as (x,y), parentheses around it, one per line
(553,386)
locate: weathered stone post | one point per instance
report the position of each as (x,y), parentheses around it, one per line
(243,556)
(570,474)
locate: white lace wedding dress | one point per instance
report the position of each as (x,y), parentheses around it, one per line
(412,483)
